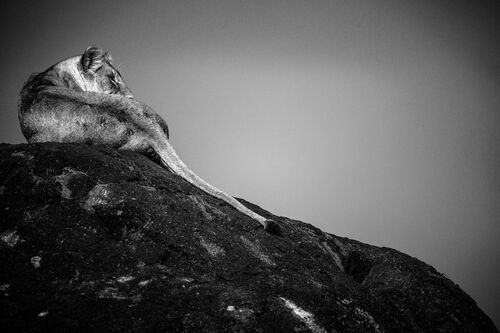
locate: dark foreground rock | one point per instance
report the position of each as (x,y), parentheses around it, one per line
(95,240)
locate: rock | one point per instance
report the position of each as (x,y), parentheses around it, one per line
(98,240)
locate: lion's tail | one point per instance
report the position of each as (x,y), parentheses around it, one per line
(171,161)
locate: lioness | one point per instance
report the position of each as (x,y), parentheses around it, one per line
(84,99)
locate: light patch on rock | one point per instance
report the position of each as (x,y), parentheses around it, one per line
(2,189)
(257,252)
(201,205)
(10,238)
(43,313)
(306,317)
(334,256)
(35,261)
(111,293)
(340,245)
(148,188)
(242,314)
(4,287)
(100,195)
(317,284)
(125,279)
(367,317)
(346,301)
(144,283)
(213,249)
(204,207)
(22,154)
(186,279)
(64,178)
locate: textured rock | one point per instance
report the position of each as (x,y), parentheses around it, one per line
(92,239)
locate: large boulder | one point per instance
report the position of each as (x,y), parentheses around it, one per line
(98,240)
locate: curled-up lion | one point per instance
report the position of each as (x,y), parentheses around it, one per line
(84,99)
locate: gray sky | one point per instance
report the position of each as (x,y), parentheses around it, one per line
(374,120)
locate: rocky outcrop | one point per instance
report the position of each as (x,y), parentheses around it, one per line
(98,240)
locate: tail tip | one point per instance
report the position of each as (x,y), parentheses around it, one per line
(272,227)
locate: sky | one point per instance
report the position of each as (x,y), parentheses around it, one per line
(373,120)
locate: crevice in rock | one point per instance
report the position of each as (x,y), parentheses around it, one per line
(358,266)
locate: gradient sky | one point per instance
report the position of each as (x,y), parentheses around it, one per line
(374,120)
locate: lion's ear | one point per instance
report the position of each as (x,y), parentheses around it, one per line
(92,59)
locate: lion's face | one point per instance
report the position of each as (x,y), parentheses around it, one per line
(108,80)
(96,73)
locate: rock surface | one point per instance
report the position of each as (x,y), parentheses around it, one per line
(95,240)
